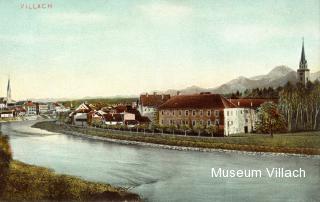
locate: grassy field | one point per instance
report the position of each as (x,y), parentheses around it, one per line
(33,183)
(300,143)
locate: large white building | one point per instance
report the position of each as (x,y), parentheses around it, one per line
(148,104)
(239,120)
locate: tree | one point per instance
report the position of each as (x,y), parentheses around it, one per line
(270,119)
(97,122)
(5,158)
(172,128)
(212,129)
(198,127)
(185,128)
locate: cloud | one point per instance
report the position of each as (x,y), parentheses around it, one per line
(165,11)
(74,18)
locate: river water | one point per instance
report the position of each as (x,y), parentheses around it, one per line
(164,175)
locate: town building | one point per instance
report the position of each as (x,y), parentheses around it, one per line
(203,109)
(30,107)
(239,120)
(82,115)
(42,108)
(303,73)
(242,118)
(148,105)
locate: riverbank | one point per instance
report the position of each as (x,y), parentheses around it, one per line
(300,143)
(34,183)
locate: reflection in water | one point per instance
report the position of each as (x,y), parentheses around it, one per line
(162,175)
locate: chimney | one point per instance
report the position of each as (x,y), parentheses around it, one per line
(147,94)
(178,92)
(154,93)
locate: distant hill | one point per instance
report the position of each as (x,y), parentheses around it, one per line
(278,76)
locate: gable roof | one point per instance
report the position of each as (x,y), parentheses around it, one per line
(251,103)
(84,108)
(153,100)
(197,101)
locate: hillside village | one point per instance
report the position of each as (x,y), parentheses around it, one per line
(203,113)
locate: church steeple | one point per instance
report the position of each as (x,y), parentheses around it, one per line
(303,73)
(8,91)
(303,62)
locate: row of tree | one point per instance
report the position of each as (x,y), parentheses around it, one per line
(300,105)
(185,129)
(270,93)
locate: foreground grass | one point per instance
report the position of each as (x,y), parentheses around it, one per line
(33,183)
(299,143)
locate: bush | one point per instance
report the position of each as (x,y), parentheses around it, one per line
(5,158)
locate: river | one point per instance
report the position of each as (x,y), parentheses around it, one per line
(164,175)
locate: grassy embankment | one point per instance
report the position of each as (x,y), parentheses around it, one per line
(299,143)
(33,183)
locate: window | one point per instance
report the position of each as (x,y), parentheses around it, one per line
(209,112)
(208,123)
(247,121)
(162,122)
(217,121)
(201,113)
(193,113)
(171,122)
(187,122)
(227,113)
(162,112)
(201,122)
(216,113)
(193,122)
(167,113)
(173,113)
(187,112)
(180,112)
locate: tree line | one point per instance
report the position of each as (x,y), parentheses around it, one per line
(300,105)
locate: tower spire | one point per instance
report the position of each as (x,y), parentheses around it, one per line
(303,62)
(303,73)
(8,90)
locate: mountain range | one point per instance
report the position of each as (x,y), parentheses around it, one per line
(278,76)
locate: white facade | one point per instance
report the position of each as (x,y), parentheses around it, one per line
(147,111)
(43,108)
(31,110)
(7,115)
(129,116)
(238,120)
(80,119)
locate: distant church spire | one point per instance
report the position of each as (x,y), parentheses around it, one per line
(303,61)
(303,73)
(8,91)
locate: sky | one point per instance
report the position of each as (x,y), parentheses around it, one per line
(82,48)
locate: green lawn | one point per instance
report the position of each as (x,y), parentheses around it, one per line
(33,183)
(302,143)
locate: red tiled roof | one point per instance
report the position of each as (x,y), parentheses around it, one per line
(153,100)
(29,104)
(197,101)
(251,103)
(112,117)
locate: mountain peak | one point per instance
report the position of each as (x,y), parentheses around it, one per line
(279,71)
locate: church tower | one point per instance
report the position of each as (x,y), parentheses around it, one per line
(303,73)
(9,100)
